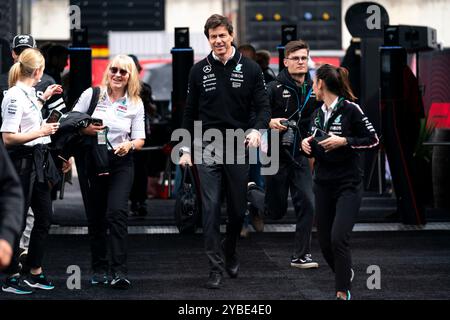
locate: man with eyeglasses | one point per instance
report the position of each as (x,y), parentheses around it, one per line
(291,99)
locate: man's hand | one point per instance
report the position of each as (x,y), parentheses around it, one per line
(275,124)
(333,142)
(185,160)
(67,166)
(5,253)
(306,147)
(253,139)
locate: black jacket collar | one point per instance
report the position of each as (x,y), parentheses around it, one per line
(285,79)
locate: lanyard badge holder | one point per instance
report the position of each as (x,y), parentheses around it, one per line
(101,153)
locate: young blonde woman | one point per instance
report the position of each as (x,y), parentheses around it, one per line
(122,127)
(26,135)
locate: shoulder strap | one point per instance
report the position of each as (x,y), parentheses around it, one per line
(94,100)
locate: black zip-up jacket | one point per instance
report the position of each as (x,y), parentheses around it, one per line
(346,120)
(222,96)
(287,98)
(11,200)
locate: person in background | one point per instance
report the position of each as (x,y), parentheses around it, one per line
(262,57)
(120,125)
(291,98)
(26,136)
(138,194)
(254,175)
(340,130)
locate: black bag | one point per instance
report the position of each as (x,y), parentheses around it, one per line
(188,203)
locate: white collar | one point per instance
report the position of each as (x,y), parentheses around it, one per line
(332,107)
(28,90)
(122,99)
(233,52)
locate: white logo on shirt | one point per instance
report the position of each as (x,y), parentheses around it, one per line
(207,69)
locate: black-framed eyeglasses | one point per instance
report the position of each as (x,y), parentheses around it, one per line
(298,59)
(114,70)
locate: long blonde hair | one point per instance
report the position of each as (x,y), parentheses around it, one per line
(29,61)
(133,87)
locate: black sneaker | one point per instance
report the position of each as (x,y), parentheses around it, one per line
(305,262)
(214,280)
(349,296)
(38,281)
(14,284)
(120,281)
(99,278)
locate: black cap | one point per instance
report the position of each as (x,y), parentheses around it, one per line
(23,40)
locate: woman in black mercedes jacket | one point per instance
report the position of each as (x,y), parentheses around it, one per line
(339,131)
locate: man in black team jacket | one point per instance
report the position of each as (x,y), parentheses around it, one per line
(222,88)
(292,99)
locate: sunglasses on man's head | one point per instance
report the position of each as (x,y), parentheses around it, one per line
(114,70)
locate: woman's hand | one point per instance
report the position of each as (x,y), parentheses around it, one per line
(333,142)
(185,160)
(123,148)
(48,129)
(91,130)
(275,124)
(52,90)
(306,147)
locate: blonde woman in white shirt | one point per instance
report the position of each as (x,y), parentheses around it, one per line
(121,114)
(26,136)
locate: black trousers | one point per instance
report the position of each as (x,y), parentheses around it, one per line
(296,178)
(234,177)
(108,210)
(37,195)
(337,207)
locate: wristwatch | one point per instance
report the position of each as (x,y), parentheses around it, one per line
(133,147)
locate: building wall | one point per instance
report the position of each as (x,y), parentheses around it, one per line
(190,13)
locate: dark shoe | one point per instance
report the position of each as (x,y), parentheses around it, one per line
(231,261)
(305,262)
(244,232)
(214,281)
(120,281)
(14,284)
(256,219)
(99,278)
(38,281)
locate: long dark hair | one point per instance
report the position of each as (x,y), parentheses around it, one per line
(336,80)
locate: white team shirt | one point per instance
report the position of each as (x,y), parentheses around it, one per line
(124,118)
(21,112)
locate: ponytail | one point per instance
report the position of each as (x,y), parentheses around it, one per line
(336,80)
(14,74)
(28,62)
(346,90)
